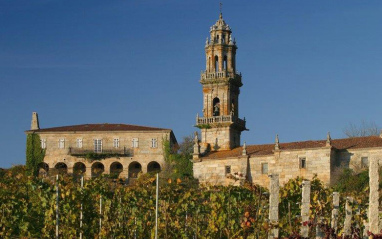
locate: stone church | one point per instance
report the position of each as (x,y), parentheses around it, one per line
(219,157)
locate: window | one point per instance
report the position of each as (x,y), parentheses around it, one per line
(61,143)
(116,143)
(302,162)
(98,145)
(154,143)
(134,143)
(364,162)
(264,168)
(79,143)
(227,169)
(43,143)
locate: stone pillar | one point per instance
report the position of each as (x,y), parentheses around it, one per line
(365,230)
(319,232)
(373,195)
(274,189)
(336,206)
(88,173)
(305,206)
(70,170)
(348,216)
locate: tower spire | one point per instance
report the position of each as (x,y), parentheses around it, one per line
(220,124)
(35,124)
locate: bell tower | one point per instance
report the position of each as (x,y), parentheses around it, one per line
(220,125)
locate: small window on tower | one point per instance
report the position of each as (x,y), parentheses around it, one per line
(216,63)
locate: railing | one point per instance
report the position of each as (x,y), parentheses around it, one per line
(220,119)
(114,151)
(219,74)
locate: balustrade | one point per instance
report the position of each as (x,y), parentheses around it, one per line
(220,119)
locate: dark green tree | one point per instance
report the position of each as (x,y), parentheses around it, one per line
(34,154)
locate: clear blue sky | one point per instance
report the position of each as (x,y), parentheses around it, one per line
(308,67)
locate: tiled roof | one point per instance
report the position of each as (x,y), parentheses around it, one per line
(98,127)
(267,149)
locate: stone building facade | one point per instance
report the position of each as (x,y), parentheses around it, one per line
(92,149)
(219,157)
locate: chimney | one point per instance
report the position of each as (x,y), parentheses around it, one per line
(35,125)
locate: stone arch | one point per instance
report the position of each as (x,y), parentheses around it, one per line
(43,169)
(61,168)
(97,169)
(225,63)
(115,169)
(216,106)
(134,169)
(216,63)
(79,168)
(153,167)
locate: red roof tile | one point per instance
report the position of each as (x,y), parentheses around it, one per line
(98,127)
(267,149)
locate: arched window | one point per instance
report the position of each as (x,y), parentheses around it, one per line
(134,169)
(223,38)
(153,167)
(225,63)
(115,169)
(61,168)
(216,63)
(97,169)
(43,169)
(79,168)
(216,107)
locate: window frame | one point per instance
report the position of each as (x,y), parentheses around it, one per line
(363,165)
(43,143)
(262,168)
(135,142)
(154,143)
(61,143)
(97,143)
(302,162)
(79,143)
(227,169)
(116,143)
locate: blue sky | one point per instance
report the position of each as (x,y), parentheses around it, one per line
(308,67)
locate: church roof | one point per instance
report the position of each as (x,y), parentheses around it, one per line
(268,149)
(99,127)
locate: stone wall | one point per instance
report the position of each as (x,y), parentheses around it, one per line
(287,164)
(144,154)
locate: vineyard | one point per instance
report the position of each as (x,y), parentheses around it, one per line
(30,208)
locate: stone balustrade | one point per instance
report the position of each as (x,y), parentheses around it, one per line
(220,119)
(219,74)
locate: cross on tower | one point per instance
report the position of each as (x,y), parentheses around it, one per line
(221,6)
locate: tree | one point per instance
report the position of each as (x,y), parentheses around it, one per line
(186,147)
(364,129)
(34,154)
